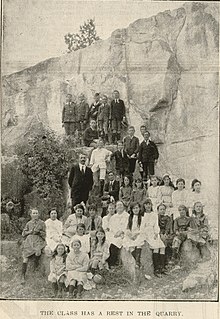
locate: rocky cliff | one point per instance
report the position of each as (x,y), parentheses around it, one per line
(166,69)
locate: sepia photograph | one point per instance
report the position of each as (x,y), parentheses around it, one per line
(109,152)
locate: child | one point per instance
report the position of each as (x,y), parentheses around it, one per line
(106,219)
(166,190)
(132,240)
(93,221)
(200,226)
(139,193)
(117,116)
(154,191)
(58,270)
(72,221)
(99,252)
(181,227)
(83,237)
(54,230)
(34,235)
(196,195)
(121,160)
(150,232)
(93,110)
(166,231)
(125,191)
(117,227)
(103,118)
(69,116)
(179,196)
(77,263)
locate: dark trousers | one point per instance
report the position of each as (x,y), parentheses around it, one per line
(113,259)
(148,169)
(69,127)
(132,163)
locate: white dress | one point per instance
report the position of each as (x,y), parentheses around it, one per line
(166,196)
(150,230)
(57,268)
(178,198)
(70,227)
(128,242)
(85,242)
(54,229)
(194,197)
(154,194)
(118,222)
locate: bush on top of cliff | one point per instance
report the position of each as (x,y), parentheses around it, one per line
(44,160)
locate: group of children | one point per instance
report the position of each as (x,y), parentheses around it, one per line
(89,243)
(108,116)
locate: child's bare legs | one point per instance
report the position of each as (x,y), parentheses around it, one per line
(72,287)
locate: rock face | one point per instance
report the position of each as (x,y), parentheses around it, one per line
(166,69)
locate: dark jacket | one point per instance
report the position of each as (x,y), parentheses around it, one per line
(93,111)
(131,145)
(117,110)
(113,190)
(121,162)
(104,112)
(181,224)
(164,222)
(69,112)
(80,184)
(82,111)
(148,153)
(89,136)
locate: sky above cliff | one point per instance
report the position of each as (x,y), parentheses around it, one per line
(34,29)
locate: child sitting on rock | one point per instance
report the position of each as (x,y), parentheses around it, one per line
(58,270)
(139,193)
(34,242)
(93,221)
(125,191)
(83,237)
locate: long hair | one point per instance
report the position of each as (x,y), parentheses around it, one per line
(131,215)
(129,178)
(194,182)
(147,201)
(55,253)
(193,209)
(140,181)
(100,230)
(170,183)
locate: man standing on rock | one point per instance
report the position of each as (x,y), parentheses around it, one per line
(80,181)
(148,156)
(69,116)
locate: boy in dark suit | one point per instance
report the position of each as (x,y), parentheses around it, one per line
(131,146)
(117,116)
(121,160)
(90,135)
(111,188)
(93,110)
(69,116)
(103,118)
(82,115)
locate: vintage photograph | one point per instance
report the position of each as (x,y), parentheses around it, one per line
(110,150)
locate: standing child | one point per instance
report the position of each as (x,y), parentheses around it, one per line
(99,251)
(71,223)
(117,116)
(34,235)
(103,118)
(125,191)
(154,191)
(132,240)
(93,110)
(139,193)
(121,160)
(69,116)
(150,231)
(54,230)
(179,196)
(83,237)
(77,263)
(166,190)
(82,115)
(58,270)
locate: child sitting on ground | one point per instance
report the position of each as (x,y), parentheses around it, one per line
(58,270)
(99,251)
(54,229)
(77,263)
(132,240)
(83,237)
(34,235)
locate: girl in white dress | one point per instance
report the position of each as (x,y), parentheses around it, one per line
(166,190)
(54,229)
(179,197)
(154,192)
(150,232)
(132,240)
(99,251)
(83,237)
(106,219)
(196,195)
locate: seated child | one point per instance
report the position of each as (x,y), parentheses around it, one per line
(150,232)
(99,251)
(84,238)
(34,242)
(58,270)
(132,239)
(93,221)
(154,191)
(139,193)
(106,219)
(166,190)
(181,226)
(54,230)
(71,223)
(77,263)
(125,191)
(179,197)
